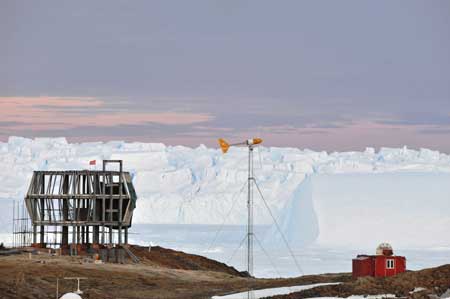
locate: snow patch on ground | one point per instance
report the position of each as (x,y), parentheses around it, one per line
(272,292)
(381,296)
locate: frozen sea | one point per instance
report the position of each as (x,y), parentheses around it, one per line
(272,261)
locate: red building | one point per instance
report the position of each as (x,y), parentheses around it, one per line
(383,264)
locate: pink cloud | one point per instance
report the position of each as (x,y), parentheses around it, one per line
(33,113)
(355,136)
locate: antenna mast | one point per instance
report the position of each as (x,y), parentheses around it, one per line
(250,211)
(251,183)
(251,143)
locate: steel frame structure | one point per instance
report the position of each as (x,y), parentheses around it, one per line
(82,206)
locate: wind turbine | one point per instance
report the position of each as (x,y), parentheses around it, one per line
(250,144)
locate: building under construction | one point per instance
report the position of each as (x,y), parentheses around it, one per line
(81,209)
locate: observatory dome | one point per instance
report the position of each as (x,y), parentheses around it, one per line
(385,249)
(70,296)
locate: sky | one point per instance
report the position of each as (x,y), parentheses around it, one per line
(324,75)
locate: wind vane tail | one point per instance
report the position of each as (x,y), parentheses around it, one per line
(224,145)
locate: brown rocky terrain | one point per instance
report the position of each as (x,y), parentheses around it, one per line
(166,273)
(435,280)
(162,273)
(172,259)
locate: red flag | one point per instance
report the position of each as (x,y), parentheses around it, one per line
(92,162)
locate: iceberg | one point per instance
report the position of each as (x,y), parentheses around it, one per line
(358,199)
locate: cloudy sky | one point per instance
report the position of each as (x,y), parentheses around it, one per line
(332,75)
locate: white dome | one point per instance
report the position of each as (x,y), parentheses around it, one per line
(70,296)
(382,247)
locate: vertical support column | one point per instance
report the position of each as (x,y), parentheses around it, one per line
(103,204)
(110,236)
(76,206)
(34,234)
(14,224)
(34,204)
(83,215)
(110,231)
(250,212)
(77,215)
(42,232)
(86,240)
(42,209)
(96,207)
(96,234)
(78,234)
(65,212)
(126,235)
(73,244)
(111,207)
(120,216)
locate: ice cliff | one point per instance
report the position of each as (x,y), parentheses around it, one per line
(336,199)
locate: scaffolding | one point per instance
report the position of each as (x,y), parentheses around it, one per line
(81,207)
(21,225)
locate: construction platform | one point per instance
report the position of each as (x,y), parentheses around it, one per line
(80,210)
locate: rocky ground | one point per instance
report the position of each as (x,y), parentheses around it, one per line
(162,273)
(434,282)
(165,273)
